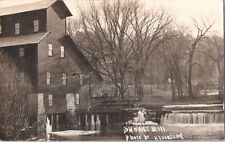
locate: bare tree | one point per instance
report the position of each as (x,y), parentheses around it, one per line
(201,33)
(150,31)
(121,37)
(103,32)
(14,110)
(213,48)
(172,53)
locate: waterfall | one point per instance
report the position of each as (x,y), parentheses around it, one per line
(192,117)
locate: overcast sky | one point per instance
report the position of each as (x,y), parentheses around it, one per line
(182,10)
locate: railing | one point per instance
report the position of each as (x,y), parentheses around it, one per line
(109,101)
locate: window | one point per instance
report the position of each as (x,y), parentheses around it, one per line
(50,50)
(21,52)
(48,78)
(62,51)
(64,79)
(17,28)
(36,25)
(77,99)
(81,79)
(70,101)
(50,100)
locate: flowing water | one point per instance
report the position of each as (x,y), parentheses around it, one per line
(194,122)
(192,117)
(193,114)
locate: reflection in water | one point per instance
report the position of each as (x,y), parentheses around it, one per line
(189,132)
(106,133)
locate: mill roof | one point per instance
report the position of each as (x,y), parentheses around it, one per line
(22,39)
(42,4)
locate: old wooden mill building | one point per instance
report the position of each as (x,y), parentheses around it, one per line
(34,36)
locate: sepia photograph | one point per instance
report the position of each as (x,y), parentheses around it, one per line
(111,70)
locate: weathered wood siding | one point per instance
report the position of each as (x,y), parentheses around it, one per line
(56,65)
(26,23)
